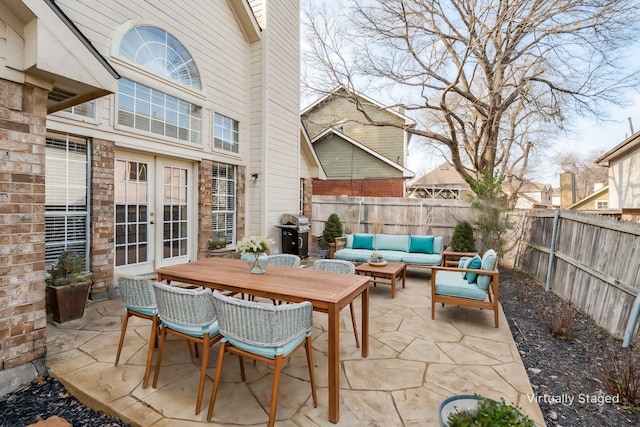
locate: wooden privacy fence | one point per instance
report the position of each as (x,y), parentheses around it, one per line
(392,215)
(590,260)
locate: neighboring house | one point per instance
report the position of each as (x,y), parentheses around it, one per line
(623,162)
(443,182)
(358,159)
(135,131)
(596,203)
(524,194)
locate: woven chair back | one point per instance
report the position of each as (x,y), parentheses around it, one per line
(335,266)
(136,292)
(188,307)
(284,260)
(259,324)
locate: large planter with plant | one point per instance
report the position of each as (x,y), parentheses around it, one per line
(68,285)
(475,410)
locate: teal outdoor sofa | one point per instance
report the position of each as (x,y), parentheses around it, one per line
(411,249)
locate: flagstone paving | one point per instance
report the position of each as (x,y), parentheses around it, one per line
(414,363)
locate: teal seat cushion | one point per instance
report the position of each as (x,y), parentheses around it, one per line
(391,242)
(359,255)
(194,331)
(475,263)
(419,258)
(450,283)
(363,241)
(143,310)
(268,352)
(422,244)
(391,256)
(488,263)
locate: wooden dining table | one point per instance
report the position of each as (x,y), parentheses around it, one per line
(328,292)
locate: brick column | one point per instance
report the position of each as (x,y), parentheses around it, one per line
(102,217)
(204,206)
(22,231)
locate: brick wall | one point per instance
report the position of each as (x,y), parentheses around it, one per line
(102,214)
(22,230)
(387,187)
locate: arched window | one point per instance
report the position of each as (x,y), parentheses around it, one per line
(160,52)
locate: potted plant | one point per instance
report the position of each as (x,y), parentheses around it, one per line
(332,229)
(462,239)
(475,410)
(217,242)
(68,285)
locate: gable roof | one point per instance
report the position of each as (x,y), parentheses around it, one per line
(406,173)
(443,174)
(625,147)
(591,197)
(335,93)
(310,155)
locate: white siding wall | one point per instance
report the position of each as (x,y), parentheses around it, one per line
(275,150)
(624,182)
(210,33)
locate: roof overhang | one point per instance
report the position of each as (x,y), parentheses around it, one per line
(246,19)
(310,155)
(628,145)
(46,49)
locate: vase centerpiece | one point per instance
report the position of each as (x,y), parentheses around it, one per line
(253,249)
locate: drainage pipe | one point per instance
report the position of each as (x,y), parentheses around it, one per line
(552,250)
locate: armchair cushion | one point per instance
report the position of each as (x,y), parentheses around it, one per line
(488,263)
(269,352)
(362,241)
(475,263)
(449,283)
(422,244)
(464,263)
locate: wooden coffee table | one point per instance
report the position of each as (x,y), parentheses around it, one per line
(388,274)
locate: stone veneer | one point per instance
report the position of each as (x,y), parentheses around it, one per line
(22,233)
(102,214)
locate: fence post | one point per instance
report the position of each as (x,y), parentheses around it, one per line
(552,249)
(633,319)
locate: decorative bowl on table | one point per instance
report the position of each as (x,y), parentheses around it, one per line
(376,259)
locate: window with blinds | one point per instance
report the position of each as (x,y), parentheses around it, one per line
(66,196)
(223,197)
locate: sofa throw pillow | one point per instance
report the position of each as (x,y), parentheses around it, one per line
(488,263)
(464,262)
(349,240)
(363,241)
(421,244)
(475,263)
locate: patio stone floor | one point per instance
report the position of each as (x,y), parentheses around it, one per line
(414,363)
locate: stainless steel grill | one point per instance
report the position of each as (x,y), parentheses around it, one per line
(295,234)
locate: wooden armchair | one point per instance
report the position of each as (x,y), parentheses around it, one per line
(448,286)
(340,242)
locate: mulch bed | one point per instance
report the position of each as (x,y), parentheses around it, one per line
(567,375)
(45,397)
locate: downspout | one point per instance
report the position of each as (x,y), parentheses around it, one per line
(552,250)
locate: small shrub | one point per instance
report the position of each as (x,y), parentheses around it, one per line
(621,371)
(217,242)
(490,413)
(559,319)
(332,229)
(462,239)
(70,268)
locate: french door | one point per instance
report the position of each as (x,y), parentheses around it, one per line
(155,220)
